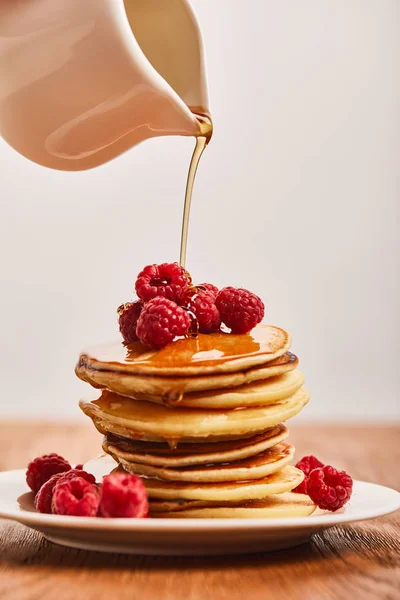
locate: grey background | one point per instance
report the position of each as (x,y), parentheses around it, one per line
(297,199)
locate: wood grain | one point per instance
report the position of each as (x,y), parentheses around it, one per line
(350,562)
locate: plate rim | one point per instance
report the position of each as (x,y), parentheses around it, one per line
(194,524)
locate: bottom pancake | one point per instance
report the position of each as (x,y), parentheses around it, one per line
(267,498)
(284,505)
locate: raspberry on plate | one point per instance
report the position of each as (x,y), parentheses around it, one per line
(75,497)
(43,467)
(128,317)
(209,287)
(306,464)
(123,496)
(207,314)
(329,488)
(44,496)
(161,320)
(240,309)
(168,280)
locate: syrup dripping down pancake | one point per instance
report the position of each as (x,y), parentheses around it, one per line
(259,393)
(161,455)
(112,413)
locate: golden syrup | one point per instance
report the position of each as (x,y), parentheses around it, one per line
(173,397)
(204,351)
(201,453)
(160,449)
(206,130)
(148,418)
(281,453)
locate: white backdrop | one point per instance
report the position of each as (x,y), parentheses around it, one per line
(297,199)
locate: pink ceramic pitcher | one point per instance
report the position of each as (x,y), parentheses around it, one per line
(81,81)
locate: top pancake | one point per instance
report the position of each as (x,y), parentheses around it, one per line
(171,390)
(207,354)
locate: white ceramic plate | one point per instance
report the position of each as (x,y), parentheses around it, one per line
(187,536)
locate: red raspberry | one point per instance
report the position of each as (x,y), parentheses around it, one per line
(42,468)
(128,317)
(306,464)
(75,497)
(45,495)
(207,314)
(328,488)
(240,309)
(123,495)
(161,321)
(168,280)
(209,287)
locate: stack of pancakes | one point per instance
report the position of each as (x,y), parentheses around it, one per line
(201,421)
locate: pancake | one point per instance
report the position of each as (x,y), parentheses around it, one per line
(204,355)
(153,422)
(258,393)
(201,422)
(284,505)
(254,467)
(284,480)
(171,389)
(160,454)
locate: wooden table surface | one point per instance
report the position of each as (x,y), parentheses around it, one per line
(356,562)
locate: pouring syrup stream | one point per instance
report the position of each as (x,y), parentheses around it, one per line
(206,130)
